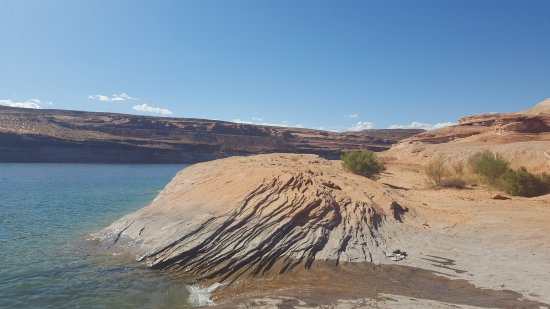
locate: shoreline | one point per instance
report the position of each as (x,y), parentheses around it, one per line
(326,284)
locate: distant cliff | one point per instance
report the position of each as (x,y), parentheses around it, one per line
(31,135)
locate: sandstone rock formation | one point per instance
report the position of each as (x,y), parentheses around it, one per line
(523,138)
(266,213)
(28,135)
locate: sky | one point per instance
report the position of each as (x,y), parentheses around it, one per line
(332,65)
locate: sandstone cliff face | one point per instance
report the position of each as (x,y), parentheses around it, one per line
(245,216)
(523,138)
(28,135)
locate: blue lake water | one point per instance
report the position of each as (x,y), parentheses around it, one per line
(47,211)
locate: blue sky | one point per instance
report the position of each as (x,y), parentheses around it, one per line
(332,64)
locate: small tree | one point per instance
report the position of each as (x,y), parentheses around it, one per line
(489,165)
(364,163)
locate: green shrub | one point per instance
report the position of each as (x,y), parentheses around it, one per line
(364,163)
(522,183)
(489,165)
(435,171)
(545,178)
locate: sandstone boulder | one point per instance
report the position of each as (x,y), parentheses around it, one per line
(266,213)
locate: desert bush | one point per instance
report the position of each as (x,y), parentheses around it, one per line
(438,176)
(458,167)
(435,171)
(364,163)
(497,172)
(489,165)
(454,181)
(521,182)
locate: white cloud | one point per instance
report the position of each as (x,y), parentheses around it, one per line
(361,125)
(114,98)
(122,97)
(99,97)
(351,116)
(421,125)
(32,103)
(150,109)
(259,121)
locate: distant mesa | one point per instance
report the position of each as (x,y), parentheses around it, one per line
(73,136)
(28,135)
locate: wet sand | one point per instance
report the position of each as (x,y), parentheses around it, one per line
(363,285)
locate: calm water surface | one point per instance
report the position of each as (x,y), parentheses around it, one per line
(47,212)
